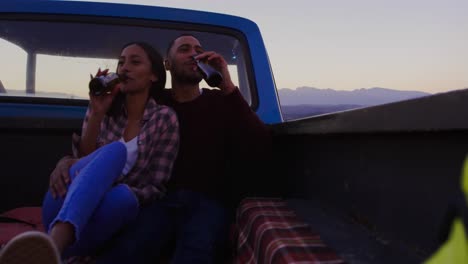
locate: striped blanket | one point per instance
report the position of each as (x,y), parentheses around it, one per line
(270,232)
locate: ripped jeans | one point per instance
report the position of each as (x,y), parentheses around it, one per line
(93,205)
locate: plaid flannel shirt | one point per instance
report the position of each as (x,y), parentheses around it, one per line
(158,144)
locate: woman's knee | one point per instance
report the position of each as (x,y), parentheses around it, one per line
(117,148)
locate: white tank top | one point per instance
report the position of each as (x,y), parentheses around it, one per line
(132,154)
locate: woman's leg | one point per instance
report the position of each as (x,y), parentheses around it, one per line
(51,206)
(118,207)
(86,190)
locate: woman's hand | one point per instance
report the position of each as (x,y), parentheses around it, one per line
(100,104)
(60,178)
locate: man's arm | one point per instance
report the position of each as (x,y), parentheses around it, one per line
(219,63)
(252,137)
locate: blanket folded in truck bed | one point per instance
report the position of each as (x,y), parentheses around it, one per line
(268,231)
(19,220)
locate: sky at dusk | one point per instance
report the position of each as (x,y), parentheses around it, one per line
(345,45)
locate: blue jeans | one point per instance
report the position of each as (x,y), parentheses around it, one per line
(198,225)
(95,207)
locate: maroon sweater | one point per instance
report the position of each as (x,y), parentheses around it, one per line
(214,128)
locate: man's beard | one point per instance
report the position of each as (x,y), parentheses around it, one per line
(185,77)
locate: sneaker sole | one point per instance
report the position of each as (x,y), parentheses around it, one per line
(30,247)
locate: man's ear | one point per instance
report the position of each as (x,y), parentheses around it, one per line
(154,78)
(167,64)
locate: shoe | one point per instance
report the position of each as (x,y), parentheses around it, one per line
(30,247)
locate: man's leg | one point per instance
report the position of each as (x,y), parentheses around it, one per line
(142,240)
(202,231)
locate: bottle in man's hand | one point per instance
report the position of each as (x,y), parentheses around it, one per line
(211,76)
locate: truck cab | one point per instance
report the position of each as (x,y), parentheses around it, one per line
(50,49)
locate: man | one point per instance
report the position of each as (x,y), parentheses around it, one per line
(216,127)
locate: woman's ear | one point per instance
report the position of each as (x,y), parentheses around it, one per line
(167,64)
(154,78)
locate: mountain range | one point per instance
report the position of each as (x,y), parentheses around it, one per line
(363,96)
(310,101)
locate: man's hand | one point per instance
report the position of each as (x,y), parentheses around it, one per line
(218,63)
(60,178)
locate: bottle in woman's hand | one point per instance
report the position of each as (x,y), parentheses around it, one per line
(103,83)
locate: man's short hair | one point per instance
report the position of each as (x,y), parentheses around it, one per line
(174,39)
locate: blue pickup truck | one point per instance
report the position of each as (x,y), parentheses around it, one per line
(378,184)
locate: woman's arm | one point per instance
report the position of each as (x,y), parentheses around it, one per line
(97,110)
(60,178)
(86,143)
(90,132)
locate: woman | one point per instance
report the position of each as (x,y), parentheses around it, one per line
(121,163)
